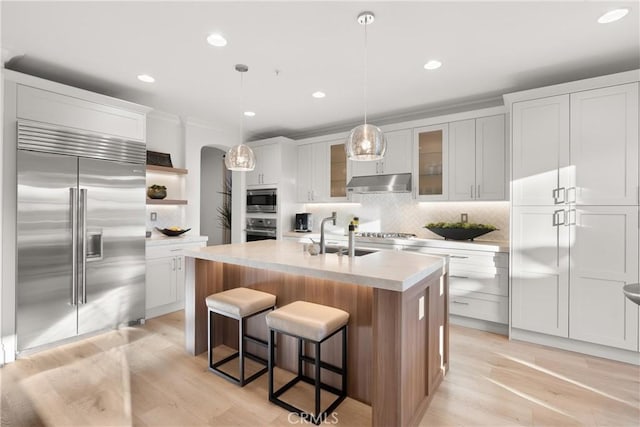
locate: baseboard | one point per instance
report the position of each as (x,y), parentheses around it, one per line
(620,355)
(483,325)
(164,309)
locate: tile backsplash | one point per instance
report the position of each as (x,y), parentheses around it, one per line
(399,212)
(167,216)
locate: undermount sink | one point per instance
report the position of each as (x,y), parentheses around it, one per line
(358,252)
(632,292)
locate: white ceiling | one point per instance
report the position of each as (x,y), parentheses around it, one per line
(487,48)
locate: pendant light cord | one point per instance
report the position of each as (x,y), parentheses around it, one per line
(365,71)
(241,107)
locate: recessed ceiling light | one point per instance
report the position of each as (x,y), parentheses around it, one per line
(146,78)
(432,64)
(318,94)
(613,15)
(216,40)
(249,113)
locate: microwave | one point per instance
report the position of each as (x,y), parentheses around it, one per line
(262,201)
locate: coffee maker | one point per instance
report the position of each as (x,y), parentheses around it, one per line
(304,223)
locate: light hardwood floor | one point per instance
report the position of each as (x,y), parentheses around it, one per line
(142,376)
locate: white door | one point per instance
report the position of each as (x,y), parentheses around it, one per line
(604,257)
(490,158)
(303,182)
(540,270)
(604,145)
(161,281)
(398,157)
(540,150)
(462,160)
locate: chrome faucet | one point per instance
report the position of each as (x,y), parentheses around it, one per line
(332,218)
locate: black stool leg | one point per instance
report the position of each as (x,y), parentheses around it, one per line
(209,340)
(271,360)
(344,361)
(241,349)
(317,413)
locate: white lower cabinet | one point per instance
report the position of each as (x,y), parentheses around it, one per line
(478,283)
(540,270)
(568,269)
(604,257)
(165,278)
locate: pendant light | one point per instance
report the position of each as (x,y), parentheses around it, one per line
(240,157)
(365,142)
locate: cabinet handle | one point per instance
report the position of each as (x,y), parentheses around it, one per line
(173,264)
(478,192)
(377,167)
(556,217)
(556,195)
(308,196)
(180,264)
(571,220)
(471,192)
(460,302)
(458,277)
(382,167)
(458,256)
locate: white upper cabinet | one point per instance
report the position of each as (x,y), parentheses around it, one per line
(540,151)
(604,257)
(268,165)
(490,158)
(604,146)
(430,167)
(313,172)
(397,158)
(462,160)
(477,159)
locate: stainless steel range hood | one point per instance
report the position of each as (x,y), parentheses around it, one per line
(396,183)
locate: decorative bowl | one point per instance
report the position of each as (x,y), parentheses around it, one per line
(459,233)
(172,233)
(157,192)
(459,230)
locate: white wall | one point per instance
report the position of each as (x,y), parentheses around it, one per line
(197,136)
(211,197)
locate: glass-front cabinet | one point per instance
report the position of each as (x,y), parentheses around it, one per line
(430,163)
(337,170)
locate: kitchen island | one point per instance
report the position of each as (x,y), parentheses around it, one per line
(398,305)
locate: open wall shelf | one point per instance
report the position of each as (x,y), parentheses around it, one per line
(164,169)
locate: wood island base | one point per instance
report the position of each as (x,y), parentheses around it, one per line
(398,342)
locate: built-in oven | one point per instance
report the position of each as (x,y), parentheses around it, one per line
(261,229)
(262,201)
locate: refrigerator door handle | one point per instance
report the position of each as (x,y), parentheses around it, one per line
(74,245)
(83,209)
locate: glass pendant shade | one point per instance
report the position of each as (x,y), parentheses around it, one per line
(240,158)
(366,143)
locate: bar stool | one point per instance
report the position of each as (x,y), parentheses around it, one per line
(313,323)
(239,304)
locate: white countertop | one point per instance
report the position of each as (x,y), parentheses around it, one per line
(185,239)
(386,269)
(477,245)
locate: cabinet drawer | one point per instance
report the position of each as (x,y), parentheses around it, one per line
(479,306)
(57,109)
(493,281)
(170,250)
(465,257)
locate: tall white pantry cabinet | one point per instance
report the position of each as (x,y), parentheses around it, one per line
(575,211)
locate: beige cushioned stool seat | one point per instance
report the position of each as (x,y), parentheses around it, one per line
(307,320)
(240,302)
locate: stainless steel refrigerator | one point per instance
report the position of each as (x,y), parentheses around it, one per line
(80,234)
